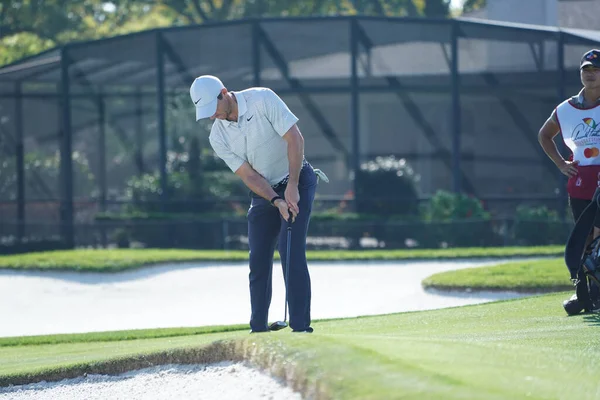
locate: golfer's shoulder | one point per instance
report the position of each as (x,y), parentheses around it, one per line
(259,94)
(217,133)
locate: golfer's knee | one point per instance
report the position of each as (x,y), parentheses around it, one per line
(260,266)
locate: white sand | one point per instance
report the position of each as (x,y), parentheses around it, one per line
(222,381)
(201,294)
(33,303)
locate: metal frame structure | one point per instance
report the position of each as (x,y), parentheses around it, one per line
(58,66)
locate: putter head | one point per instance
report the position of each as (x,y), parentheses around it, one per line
(278,325)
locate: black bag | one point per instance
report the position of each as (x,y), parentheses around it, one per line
(583,261)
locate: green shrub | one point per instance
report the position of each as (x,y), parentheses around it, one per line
(446,206)
(538,226)
(457,220)
(121,238)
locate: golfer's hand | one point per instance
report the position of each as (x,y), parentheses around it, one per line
(569,168)
(292,197)
(284,210)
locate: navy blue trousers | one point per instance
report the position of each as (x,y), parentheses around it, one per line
(266,229)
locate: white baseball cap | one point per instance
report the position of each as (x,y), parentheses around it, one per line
(204,92)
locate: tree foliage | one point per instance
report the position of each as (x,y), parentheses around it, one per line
(30,26)
(472,5)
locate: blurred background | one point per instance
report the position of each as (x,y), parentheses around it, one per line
(423,113)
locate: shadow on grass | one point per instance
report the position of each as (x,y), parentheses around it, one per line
(592,318)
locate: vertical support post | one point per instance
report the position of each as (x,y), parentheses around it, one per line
(256,52)
(542,48)
(20,160)
(102,162)
(225,230)
(162,133)
(354,107)
(561,67)
(456,118)
(102,151)
(66,155)
(561,93)
(139,134)
(260,8)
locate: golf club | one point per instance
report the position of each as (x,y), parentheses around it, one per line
(278,325)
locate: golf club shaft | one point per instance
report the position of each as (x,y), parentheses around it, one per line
(287,266)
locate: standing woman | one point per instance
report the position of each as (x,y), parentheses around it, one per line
(577,119)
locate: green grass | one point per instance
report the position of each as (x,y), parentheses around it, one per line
(526,276)
(124,259)
(526,348)
(37,358)
(114,336)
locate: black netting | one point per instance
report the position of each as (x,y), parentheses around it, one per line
(505,97)
(508,81)
(8,143)
(8,159)
(114,120)
(43,67)
(224,51)
(124,60)
(573,51)
(508,33)
(306,53)
(414,126)
(328,138)
(42,129)
(398,54)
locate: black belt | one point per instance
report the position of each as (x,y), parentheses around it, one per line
(285,180)
(281,183)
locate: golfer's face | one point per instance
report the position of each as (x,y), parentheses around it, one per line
(223,108)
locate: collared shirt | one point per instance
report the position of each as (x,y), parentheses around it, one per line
(257,135)
(577,101)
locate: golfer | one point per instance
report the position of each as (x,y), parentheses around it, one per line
(256,135)
(578,121)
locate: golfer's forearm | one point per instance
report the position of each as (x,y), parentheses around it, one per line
(551,150)
(295,157)
(260,186)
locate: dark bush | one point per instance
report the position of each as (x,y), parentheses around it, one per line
(194,185)
(386,186)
